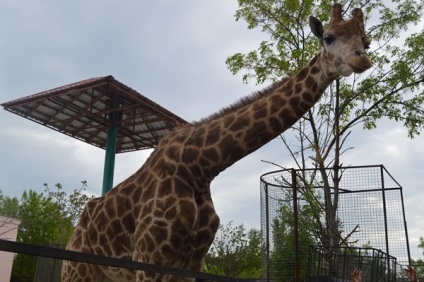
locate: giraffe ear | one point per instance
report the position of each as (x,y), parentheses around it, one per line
(359,15)
(316,27)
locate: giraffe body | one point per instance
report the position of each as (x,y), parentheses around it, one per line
(163,214)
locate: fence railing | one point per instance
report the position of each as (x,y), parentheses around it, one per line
(339,262)
(50,252)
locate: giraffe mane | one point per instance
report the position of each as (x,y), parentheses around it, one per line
(244,101)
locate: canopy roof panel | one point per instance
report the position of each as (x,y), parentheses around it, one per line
(85,109)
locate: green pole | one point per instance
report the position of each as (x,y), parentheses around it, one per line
(112,136)
(112,133)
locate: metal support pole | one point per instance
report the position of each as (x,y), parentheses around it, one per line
(268,260)
(296,228)
(386,233)
(112,136)
(405,226)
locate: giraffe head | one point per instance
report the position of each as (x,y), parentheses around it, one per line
(344,43)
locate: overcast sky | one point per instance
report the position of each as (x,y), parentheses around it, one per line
(172,52)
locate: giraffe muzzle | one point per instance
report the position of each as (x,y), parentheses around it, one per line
(359,62)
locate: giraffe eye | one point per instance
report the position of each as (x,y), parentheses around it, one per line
(328,40)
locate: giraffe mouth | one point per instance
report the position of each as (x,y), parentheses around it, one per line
(359,65)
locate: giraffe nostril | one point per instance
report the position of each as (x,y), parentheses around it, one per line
(358,53)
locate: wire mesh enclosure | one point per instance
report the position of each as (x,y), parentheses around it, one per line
(347,207)
(337,264)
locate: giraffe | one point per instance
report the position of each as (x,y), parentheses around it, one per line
(163,213)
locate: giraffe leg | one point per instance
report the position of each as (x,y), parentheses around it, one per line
(208,223)
(147,276)
(151,249)
(80,272)
(143,276)
(77,271)
(208,226)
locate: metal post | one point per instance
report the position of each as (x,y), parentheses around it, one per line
(386,233)
(406,228)
(268,274)
(112,136)
(296,228)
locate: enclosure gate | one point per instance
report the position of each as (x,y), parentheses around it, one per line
(355,207)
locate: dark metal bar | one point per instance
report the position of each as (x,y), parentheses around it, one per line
(268,274)
(50,252)
(296,228)
(386,233)
(406,228)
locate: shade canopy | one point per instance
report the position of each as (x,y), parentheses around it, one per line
(85,109)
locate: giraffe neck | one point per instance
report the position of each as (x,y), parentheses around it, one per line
(222,140)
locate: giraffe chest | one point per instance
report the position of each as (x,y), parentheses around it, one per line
(176,230)
(152,216)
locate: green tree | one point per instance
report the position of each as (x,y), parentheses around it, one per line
(418,264)
(46,219)
(69,209)
(234,252)
(392,90)
(38,226)
(9,208)
(282,258)
(253,255)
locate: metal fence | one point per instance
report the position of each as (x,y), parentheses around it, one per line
(336,264)
(48,270)
(359,206)
(61,254)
